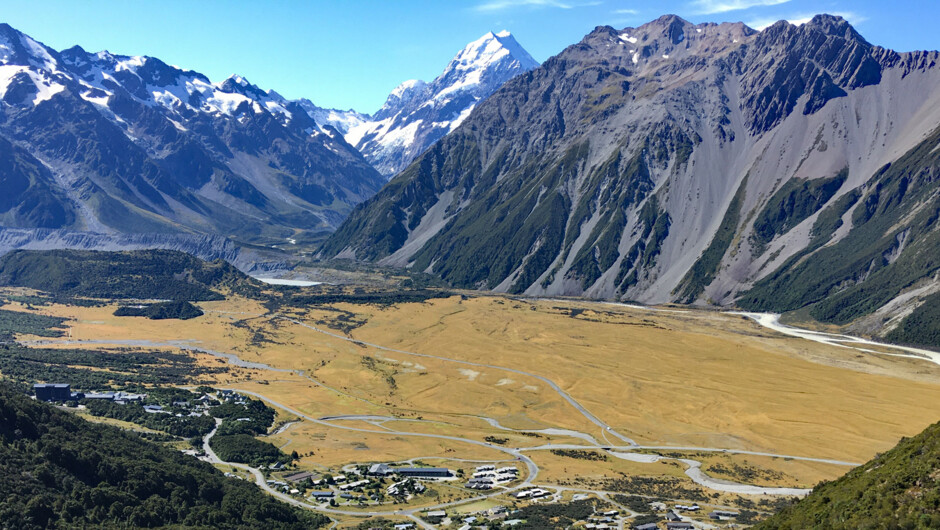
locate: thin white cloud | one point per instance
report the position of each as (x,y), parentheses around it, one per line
(710,7)
(624,16)
(491,6)
(853,17)
(762,23)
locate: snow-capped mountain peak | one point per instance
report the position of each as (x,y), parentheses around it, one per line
(416,114)
(20,49)
(239,80)
(489,49)
(407,86)
(28,70)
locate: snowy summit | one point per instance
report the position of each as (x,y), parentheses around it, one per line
(417,114)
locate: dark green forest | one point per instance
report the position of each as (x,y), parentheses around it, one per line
(138,274)
(59,471)
(246,449)
(13,322)
(254,417)
(184,426)
(179,309)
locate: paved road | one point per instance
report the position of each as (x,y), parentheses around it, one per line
(517,455)
(743,452)
(550,431)
(212,458)
(629,448)
(693,470)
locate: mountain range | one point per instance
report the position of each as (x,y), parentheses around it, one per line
(113,144)
(789,168)
(110,150)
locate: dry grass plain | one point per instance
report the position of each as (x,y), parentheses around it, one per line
(691,378)
(663,378)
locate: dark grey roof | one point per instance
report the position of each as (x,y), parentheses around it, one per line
(297,477)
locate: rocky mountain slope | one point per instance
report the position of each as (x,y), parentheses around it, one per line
(897,489)
(112,144)
(417,114)
(780,169)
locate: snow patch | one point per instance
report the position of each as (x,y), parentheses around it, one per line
(45,87)
(461,117)
(406,86)
(627,38)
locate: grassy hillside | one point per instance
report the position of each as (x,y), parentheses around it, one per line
(144,274)
(898,489)
(59,471)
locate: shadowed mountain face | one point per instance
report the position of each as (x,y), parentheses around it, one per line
(417,114)
(114,144)
(678,162)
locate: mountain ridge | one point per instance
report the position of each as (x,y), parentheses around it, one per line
(635,164)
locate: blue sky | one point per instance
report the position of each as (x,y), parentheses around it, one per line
(350,54)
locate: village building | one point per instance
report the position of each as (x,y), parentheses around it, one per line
(53,392)
(423,472)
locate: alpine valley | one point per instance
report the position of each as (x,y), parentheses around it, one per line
(677,276)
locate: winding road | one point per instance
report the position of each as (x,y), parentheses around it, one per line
(624,451)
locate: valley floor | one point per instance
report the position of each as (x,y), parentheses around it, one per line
(586,398)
